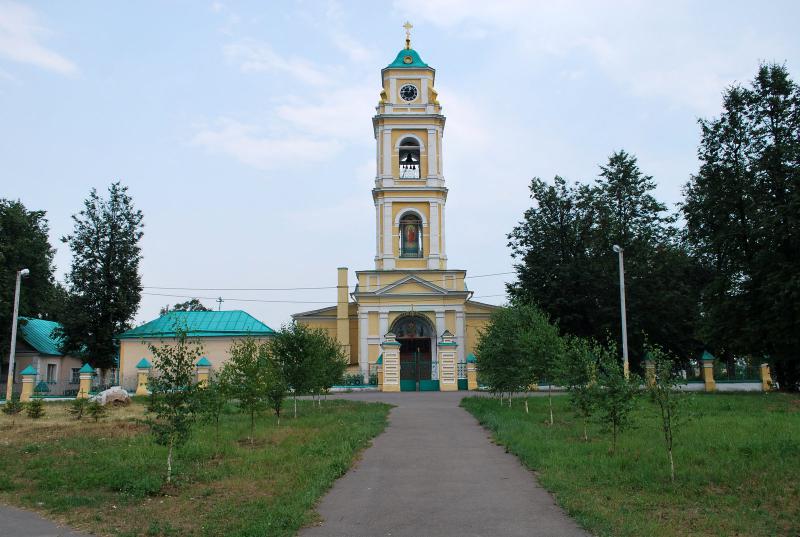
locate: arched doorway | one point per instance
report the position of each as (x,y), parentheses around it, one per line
(416,335)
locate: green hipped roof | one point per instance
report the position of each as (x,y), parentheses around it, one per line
(201,324)
(86,369)
(203,362)
(416,61)
(707,356)
(38,333)
(28,371)
(380,359)
(143,364)
(471,359)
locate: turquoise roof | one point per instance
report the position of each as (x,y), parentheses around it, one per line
(471,359)
(86,369)
(201,324)
(416,61)
(203,362)
(380,359)
(38,333)
(143,364)
(28,371)
(707,356)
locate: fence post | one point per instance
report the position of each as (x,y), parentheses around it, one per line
(85,374)
(379,368)
(28,380)
(203,371)
(472,372)
(766,377)
(708,371)
(142,373)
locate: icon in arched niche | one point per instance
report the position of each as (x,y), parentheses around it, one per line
(412,326)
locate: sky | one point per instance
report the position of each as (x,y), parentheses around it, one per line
(243,129)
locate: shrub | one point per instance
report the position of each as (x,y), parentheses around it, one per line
(12,408)
(78,407)
(96,410)
(35,409)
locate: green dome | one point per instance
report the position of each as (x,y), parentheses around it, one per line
(401,60)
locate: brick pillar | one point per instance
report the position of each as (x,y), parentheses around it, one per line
(86,374)
(28,381)
(766,378)
(142,374)
(472,373)
(447,354)
(391,363)
(203,367)
(708,371)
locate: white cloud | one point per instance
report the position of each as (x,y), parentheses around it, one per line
(20,39)
(248,145)
(256,56)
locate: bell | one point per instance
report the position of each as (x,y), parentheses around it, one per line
(409,160)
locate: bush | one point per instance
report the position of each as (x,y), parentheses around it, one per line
(78,407)
(35,409)
(96,410)
(12,408)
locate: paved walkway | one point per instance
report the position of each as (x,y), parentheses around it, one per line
(18,523)
(435,472)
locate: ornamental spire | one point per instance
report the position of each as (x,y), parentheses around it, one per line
(408,27)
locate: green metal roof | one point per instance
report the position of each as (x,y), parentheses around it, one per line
(86,369)
(415,63)
(28,371)
(38,333)
(201,324)
(203,362)
(380,359)
(143,364)
(471,359)
(707,356)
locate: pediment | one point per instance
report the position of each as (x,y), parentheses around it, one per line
(411,285)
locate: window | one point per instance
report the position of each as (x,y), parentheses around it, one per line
(51,373)
(76,376)
(410,236)
(409,159)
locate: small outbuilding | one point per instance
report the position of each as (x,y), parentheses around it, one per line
(216,331)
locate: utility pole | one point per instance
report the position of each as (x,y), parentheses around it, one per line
(11,355)
(219,302)
(625,367)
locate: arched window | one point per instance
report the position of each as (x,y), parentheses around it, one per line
(410,235)
(409,159)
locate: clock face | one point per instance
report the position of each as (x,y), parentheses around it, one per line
(408,92)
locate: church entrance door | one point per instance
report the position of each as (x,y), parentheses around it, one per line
(416,365)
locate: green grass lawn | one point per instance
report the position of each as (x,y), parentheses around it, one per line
(109,477)
(737,462)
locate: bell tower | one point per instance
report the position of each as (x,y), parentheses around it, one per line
(409,191)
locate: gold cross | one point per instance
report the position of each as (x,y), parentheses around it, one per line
(408,27)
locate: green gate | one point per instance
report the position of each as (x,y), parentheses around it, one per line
(415,374)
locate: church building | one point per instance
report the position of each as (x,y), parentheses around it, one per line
(410,301)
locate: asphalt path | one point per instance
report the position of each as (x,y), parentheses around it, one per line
(18,523)
(436,472)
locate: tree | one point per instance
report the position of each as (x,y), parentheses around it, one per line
(580,378)
(12,408)
(190,305)
(24,243)
(741,214)
(212,398)
(276,388)
(35,409)
(310,360)
(171,405)
(104,282)
(662,388)
(617,394)
(96,410)
(565,263)
(78,407)
(247,375)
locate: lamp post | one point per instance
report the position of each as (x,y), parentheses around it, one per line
(10,381)
(625,368)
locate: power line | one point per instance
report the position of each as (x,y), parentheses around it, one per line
(287,288)
(217,299)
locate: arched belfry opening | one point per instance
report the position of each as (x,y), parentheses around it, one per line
(416,336)
(410,235)
(409,159)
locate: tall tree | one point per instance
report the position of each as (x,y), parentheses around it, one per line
(190,305)
(24,243)
(104,282)
(743,218)
(567,266)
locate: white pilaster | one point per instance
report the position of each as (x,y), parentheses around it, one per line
(460,335)
(424,90)
(386,152)
(383,324)
(388,237)
(432,151)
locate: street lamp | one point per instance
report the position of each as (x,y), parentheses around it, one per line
(625,368)
(10,381)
